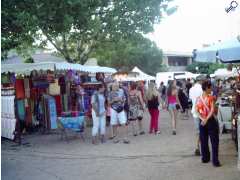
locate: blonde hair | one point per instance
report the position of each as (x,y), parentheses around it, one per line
(152,91)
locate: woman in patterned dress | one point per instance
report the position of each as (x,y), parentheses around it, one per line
(136,105)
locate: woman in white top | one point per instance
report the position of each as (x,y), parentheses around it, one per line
(98,114)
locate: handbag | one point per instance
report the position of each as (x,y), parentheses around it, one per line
(140,114)
(118,108)
(177,106)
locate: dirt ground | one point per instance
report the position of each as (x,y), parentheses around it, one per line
(147,157)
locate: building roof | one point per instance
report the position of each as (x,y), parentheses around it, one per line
(177,53)
(91,62)
(38,58)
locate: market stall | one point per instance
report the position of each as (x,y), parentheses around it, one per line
(143,76)
(223,73)
(42,93)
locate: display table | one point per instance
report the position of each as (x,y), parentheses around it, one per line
(225,117)
(74,123)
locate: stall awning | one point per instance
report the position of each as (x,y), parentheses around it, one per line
(26,68)
(226,52)
(230,52)
(84,68)
(100,69)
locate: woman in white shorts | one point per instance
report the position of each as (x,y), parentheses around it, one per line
(98,114)
(118,116)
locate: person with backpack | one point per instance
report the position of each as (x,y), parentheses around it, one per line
(98,114)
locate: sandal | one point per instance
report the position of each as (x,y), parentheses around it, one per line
(116,141)
(112,137)
(142,133)
(125,141)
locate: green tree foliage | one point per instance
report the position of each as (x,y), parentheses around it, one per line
(204,68)
(126,54)
(75,27)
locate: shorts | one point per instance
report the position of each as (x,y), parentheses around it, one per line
(118,117)
(172,106)
(196,125)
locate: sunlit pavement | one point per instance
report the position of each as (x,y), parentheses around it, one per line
(147,157)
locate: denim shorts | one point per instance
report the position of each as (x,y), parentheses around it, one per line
(172,106)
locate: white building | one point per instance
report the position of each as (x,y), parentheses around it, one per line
(177,61)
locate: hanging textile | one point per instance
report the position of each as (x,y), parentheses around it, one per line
(58,104)
(27,87)
(65,102)
(54,88)
(21,109)
(40,84)
(62,84)
(20,92)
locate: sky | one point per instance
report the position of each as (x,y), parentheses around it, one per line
(196,22)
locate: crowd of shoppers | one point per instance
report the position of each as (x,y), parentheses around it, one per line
(127,105)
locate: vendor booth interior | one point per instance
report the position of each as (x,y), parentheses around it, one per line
(39,96)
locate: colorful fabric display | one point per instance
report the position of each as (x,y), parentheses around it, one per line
(5,79)
(68,88)
(27,87)
(65,102)
(76,79)
(54,88)
(66,114)
(28,116)
(20,92)
(52,113)
(33,93)
(58,104)
(21,109)
(40,84)
(12,78)
(62,84)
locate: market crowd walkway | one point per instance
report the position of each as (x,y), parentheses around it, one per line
(148,157)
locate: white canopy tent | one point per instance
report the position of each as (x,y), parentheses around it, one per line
(142,76)
(26,68)
(224,73)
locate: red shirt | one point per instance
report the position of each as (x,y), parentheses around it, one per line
(203,105)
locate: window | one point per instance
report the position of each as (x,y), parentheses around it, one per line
(177,61)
